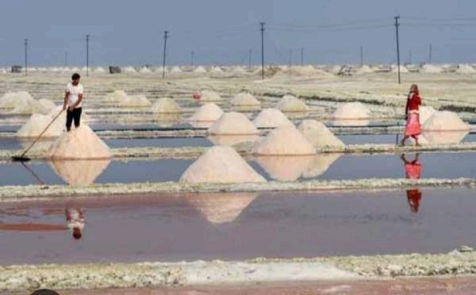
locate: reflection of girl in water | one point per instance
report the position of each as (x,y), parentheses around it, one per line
(75,221)
(413,171)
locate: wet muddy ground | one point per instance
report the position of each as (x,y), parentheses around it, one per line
(236,226)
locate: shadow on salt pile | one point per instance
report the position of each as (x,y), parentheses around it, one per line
(221,208)
(79,172)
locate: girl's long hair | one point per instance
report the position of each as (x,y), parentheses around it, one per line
(415,87)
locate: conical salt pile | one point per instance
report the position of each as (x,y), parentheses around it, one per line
(443,137)
(139,100)
(290,103)
(79,172)
(117,96)
(233,124)
(47,104)
(284,141)
(318,134)
(425,113)
(36,124)
(221,208)
(465,69)
(271,118)
(145,70)
(351,111)
(22,103)
(209,96)
(208,112)
(81,143)
(319,165)
(220,165)
(129,70)
(99,70)
(166,105)
(284,168)
(245,99)
(431,69)
(445,121)
(176,70)
(200,70)
(365,69)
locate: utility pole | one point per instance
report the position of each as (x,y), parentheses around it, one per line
(290,57)
(66,58)
(361,56)
(26,57)
(262,49)
(302,56)
(410,56)
(166,36)
(397,24)
(87,55)
(250,54)
(429,53)
(192,56)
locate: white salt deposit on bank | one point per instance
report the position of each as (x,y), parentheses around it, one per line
(129,70)
(445,121)
(47,104)
(465,69)
(425,113)
(232,140)
(166,105)
(209,96)
(209,112)
(431,69)
(221,165)
(283,141)
(290,103)
(22,103)
(271,118)
(365,69)
(351,111)
(318,134)
(36,124)
(99,70)
(121,98)
(81,144)
(245,99)
(233,124)
(221,208)
(200,70)
(176,70)
(79,172)
(302,71)
(403,69)
(145,70)
(116,96)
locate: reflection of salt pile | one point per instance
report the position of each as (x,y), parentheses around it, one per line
(220,165)
(166,106)
(36,124)
(271,118)
(207,95)
(284,168)
(465,69)
(233,124)
(290,103)
(121,98)
(79,172)
(221,208)
(245,99)
(431,69)
(209,112)
(351,111)
(80,143)
(318,134)
(284,141)
(445,121)
(319,165)
(232,140)
(425,113)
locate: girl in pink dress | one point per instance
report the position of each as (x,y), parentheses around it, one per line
(412,112)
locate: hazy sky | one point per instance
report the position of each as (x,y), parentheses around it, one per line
(222,32)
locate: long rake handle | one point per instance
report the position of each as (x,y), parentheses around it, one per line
(41,134)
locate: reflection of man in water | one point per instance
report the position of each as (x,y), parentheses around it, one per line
(413,171)
(75,221)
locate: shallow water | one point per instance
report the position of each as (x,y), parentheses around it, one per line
(324,167)
(238,226)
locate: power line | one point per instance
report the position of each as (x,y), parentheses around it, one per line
(26,57)
(398,47)
(87,55)
(262,49)
(166,36)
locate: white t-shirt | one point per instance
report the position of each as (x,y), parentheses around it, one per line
(73,94)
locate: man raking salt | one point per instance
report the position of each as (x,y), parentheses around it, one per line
(73,99)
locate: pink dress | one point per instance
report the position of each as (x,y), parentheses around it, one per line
(412,127)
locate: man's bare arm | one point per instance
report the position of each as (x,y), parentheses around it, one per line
(65,100)
(80,99)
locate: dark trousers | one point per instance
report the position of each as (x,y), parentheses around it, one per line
(73,115)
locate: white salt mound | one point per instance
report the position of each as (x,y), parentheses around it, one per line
(365,69)
(47,104)
(425,113)
(443,137)
(350,111)
(284,141)
(81,143)
(36,124)
(245,99)
(445,121)
(116,96)
(271,118)
(431,69)
(209,96)
(99,70)
(221,165)
(166,105)
(318,134)
(284,168)
(301,71)
(290,103)
(200,70)
(222,207)
(145,70)
(129,70)
(233,124)
(79,172)
(207,112)
(465,69)
(176,70)
(11,100)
